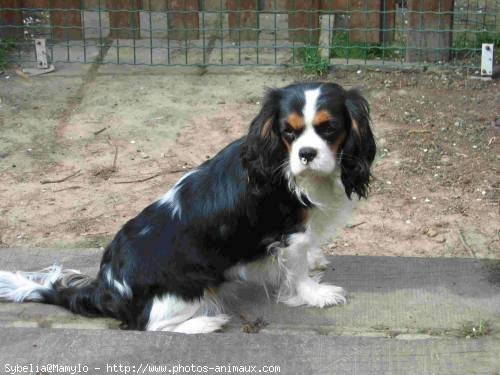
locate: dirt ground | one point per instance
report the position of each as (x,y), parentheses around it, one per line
(119,141)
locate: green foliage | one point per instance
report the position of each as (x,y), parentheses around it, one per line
(342,47)
(5,47)
(474,330)
(468,43)
(313,61)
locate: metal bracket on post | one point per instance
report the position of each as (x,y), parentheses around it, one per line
(42,63)
(41,53)
(487,60)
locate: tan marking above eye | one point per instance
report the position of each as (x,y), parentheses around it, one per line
(321,116)
(295,120)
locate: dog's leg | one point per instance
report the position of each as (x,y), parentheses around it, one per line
(298,288)
(265,271)
(316,259)
(174,314)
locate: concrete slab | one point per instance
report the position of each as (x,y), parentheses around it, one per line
(404,316)
(144,352)
(387,296)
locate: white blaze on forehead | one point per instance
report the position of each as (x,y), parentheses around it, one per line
(310,106)
(324,162)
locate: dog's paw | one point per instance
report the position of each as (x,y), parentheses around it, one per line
(202,324)
(321,295)
(312,293)
(316,260)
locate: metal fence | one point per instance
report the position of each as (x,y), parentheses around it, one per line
(312,33)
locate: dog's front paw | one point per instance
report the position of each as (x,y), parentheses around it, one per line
(316,260)
(311,293)
(321,295)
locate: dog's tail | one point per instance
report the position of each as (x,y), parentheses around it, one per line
(78,293)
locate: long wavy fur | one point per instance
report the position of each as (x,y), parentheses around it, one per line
(263,148)
(359,148)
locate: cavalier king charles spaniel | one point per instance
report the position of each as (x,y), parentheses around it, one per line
(258,211)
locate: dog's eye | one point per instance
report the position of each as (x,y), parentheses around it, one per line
(289,133)
(326,129)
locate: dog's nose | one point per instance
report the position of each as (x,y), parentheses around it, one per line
(307,154)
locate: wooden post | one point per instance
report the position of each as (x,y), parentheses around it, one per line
(359,16)
(365,21)
(429,33)
(155,5)
(183,19)
(11,21)
(270,4)
(303,20)
(243,19)
(124,18)
(388,20)
(67,23)
(36,4)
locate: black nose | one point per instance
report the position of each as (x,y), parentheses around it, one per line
(307,153)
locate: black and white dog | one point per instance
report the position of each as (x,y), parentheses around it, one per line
(258,211)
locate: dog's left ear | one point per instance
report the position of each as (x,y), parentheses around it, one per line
(263,149)
(359,148)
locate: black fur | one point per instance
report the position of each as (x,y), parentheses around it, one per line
(223,222)
(359,149)
(263,147)
(231,209)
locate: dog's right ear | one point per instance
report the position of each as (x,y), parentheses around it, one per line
(263,150)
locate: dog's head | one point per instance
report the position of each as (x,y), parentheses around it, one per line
(311,129)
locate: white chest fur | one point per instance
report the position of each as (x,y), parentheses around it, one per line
(332,207)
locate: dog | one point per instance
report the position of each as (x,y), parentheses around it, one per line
(258,211)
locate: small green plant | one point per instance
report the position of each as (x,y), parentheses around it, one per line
(342,47)
(468,43)
(474,330)
(5,47)
(313,61)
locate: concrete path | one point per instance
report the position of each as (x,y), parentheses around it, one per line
(404,316)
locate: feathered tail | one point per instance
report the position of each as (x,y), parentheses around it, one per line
(68,288)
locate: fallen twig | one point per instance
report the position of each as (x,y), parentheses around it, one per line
(466,245)
(62,179)
(93,234)
(350,226)
(67,188)
(111,143)
(115,158)
(172,171)
(23,75)
(101,130)
(139,180)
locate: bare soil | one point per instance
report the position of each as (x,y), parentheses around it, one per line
(130,136)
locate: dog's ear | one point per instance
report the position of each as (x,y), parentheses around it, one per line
(263,150)
(359,148)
